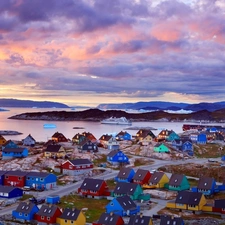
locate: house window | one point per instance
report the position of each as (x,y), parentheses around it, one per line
(42,179)
(26,214)
(70,167)
(71,221)
(65,221)
(48,218)
(6,177)
(42,217)
(19,178)
(28,178)
(20,214)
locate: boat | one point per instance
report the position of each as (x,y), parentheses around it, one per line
(49,125)
(117,121)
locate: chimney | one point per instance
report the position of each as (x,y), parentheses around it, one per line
(111,213)
(141,215)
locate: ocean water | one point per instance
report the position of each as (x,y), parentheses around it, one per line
(39,133)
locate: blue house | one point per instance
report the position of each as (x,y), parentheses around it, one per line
(184,145)
(116,157)
(9,144)
(125,175)
(9,153)
(10,192)
(2,175)
(25,211)
(123,206)
(40,180)
(123,135)
(202,138)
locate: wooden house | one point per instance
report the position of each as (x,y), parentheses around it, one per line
(29,141)
(184,145)
(89,136)
(94,188)
(78,138)
(206,185)
(54,151)
(125,175)
(105,139)
(161,148)
(47,214)
(15,178)
(25,211)
(171,220)
(141,177)
(71,216)
(2,140)
(123,135)
(10,153)
(140,220)
(167,135)
(76,166)
(123,206)
(9,144)
(145,136)
(87,146)
(10,192)
(59,137)
(157,180)
(109,219)
(219,206)
(117,157)
(41,180)
(198,138)
(178,182)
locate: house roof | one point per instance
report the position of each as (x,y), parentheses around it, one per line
(7,142)
(91,184)
(113,152)
(140,174)
(219,203)
(125,188)
(170,220)
(158,145)
(57,134)
(182,197)
(176,179)
(139,220)
(76,162)
(187,197)
(105,137)
(2,172)
(25,207)
(16,173)
(7,189)
(70,214)
(156,177)
(205,183)
(17,150)
(126,202)
(124,172)
(38,174)
(109,218)
(47,210)
(29,136)
(53,148)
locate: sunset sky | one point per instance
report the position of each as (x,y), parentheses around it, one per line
(87,52)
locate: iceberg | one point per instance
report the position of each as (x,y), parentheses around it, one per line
(49,125)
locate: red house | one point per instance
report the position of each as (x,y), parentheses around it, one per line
(95,188)
(141,177)
(59,137)
(219,206)
(48,214)
(15,178)
(109,219)
(76,167)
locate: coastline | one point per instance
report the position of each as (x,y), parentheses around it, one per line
(9,132)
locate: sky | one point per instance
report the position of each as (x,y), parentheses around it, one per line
(88,52)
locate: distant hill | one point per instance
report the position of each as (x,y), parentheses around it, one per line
(158,105)
(30,104)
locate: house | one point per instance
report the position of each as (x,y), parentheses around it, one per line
(184,144)
(47,214)
(141,177)
(71,216)
(219,206)
(161,148)
(134,191)
(78,138)
(140,220)
(171,220)
(9,144)
(109,219)
(117,157)
(123,206)
(125,175)
(167,135)
(59,137)
(89,136)
(9,153)
(123,136)
(206,185)
(157,180)
(94,188)
(25,211)
(187,200)
(76,167)
(145,136)
(88,146)
(109,142)
(41,180)
(178,182)
(29,141)
(54,151)
(10,192)
(15,178)
(199,138)
(2,140)
(2,176)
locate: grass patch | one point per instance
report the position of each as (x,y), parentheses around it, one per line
(209,150)
(25,197)
(111,184)
(101,159)
(193,182)
(95,206)
(141,162)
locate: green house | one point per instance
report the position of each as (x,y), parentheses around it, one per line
(178,182)
(161,148)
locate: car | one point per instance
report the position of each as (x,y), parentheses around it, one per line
(37,201)
(212,160)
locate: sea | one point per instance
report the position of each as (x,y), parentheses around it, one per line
(70,128)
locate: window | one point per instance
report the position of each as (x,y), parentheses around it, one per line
(42,217)
(28,178)
(65,221)
(48,218)
(19,178)
(20,214)
(6,177)
(42,179)
(26,214)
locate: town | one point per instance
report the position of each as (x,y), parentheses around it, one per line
(121,179)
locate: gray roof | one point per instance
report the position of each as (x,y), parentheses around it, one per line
(113,153)
(108,218)
(156,177)
(47,210)
(92,184)
(219,203)
(205,183)
(139,220)
(125,188)
(187,197)
(7,189)
(80,161)
(176,179)
(182,197)
(17,150)
(16,173)
(70,214)
(53,148)
(140,174)
(126,202)
(25,207)
(2,172)
(169,220)
(38,174)
(124,173)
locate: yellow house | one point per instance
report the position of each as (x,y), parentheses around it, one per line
(71,216)
(158,180)
(54,151)
(207,208)
(2,140)
(196,201)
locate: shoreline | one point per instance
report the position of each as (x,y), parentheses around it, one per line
(9,132)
